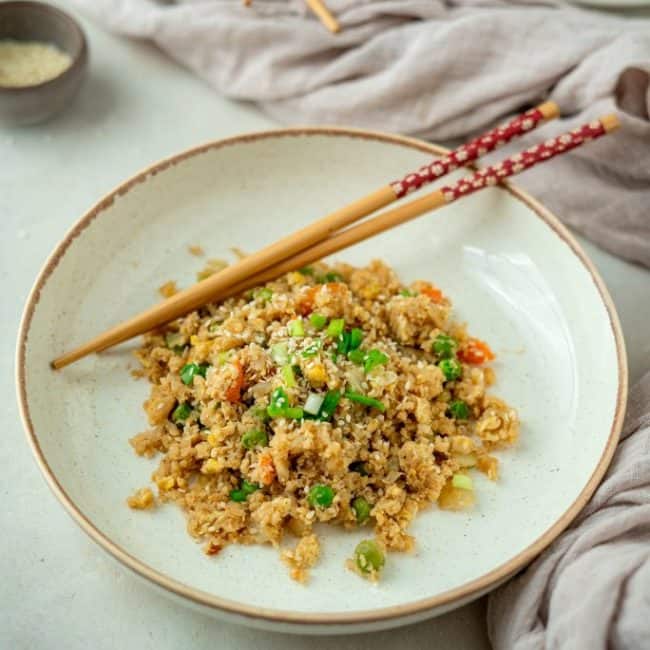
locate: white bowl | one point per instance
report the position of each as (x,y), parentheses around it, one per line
(515,275)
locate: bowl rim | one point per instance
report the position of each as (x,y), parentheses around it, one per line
(463,593)
(78,61)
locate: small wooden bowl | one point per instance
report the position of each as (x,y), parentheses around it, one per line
(35,21)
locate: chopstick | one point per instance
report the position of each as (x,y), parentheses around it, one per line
(483,178)
(214,286)
(324,15)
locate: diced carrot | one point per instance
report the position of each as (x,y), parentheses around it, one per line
(308,298)
(475,352)
(267,469)
(233,393)
(432,292)
(306,301)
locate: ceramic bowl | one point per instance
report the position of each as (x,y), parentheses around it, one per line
(36,21)
(515,275)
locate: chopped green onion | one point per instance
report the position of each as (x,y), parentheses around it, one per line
(175,341)
(361,509)
(288,377)
(223,357)
(462,481)
(321,495)
(190,370)
(181,412)
(265,294)
(313,403)
(214,326)
(260,413)
(373,359)
(344,343)
(357,356)
(365,400)
(368,556)
(296,328)
(254,438)
(407,294)
(444,346)
(335,328)
(318,321)
(312,350)
(279,353)
(279,403)
(356,337)
(294,413)
(451,369)
(359,467)
(307,270)
(332,276)
(331,401)
(459,409)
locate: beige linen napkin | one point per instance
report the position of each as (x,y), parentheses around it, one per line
(439,70)
(591,587)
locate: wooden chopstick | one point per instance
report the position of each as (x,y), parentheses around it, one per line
(482,178)
(324,15)
(214,286)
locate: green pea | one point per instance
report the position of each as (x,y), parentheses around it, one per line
(459,410)
(248,488)
(181,412)
(237,495)
(242,493)
(361,509)
(190,370)
(444,346)
(451,369)
(369,556)
(254,438)
(321,495)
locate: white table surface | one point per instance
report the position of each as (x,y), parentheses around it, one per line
(57,589)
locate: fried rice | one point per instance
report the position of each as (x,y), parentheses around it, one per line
(332,394)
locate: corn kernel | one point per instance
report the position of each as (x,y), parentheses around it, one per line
(212,440)
(370,291)
(194,339)
(211,466)
(165,483)
(296,278)
(316,374)
(141,500)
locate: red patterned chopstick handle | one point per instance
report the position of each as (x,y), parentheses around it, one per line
(532,156)
(475,149)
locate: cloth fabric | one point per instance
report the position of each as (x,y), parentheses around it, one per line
(438,70)
(591,587)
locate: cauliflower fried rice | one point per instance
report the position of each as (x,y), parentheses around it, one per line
(333,394)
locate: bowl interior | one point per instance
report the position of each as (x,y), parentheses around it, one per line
(515,281)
